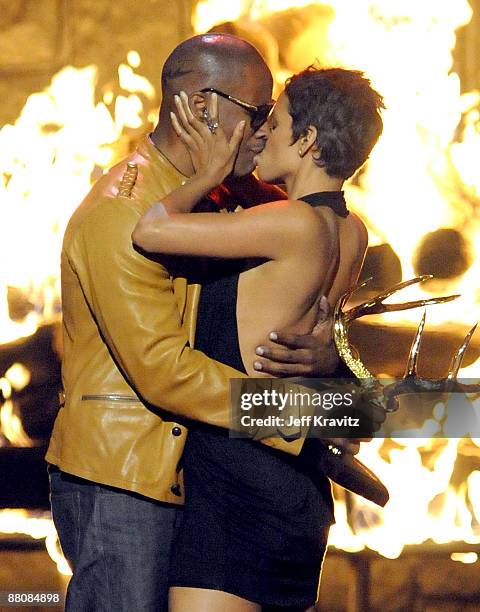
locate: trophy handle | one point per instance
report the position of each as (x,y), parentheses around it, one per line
(345,470)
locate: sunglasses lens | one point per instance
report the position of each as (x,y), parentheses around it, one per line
(260,116)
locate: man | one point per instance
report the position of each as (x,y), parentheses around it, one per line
(131,378)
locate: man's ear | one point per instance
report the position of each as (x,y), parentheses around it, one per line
(308,141)
(198,104)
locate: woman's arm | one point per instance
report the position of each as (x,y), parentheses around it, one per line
(271,231)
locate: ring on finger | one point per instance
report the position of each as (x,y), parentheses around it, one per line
(212,125)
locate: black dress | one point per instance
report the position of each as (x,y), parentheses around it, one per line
(255,522)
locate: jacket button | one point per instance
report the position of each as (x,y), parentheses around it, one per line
(176,431)
(175,489)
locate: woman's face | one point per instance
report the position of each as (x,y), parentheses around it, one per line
(279,158)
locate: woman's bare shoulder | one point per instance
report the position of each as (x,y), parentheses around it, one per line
(359,227)
(297,212)
(288,216)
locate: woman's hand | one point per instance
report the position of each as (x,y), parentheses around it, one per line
(212,154)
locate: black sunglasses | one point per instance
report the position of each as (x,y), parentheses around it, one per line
(258,114)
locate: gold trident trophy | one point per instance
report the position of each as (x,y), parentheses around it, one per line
(340,466)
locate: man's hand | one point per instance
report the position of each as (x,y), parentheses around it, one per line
(311,354)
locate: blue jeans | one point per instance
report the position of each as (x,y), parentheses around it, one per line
(117,543)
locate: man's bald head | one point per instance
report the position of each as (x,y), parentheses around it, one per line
(228,64)
(211,60)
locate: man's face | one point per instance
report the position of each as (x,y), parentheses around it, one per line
(254,87)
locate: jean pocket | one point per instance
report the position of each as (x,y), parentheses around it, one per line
(66,518)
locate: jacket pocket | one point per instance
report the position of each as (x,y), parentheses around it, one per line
(111,397)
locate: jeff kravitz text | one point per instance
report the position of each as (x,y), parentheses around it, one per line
(304,421)
(275,400)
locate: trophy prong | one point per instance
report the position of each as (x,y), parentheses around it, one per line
(417,303)
(459,355)
(375,305)
(402,285)
(411,369)
(346,296)
(343,319)
(362,284)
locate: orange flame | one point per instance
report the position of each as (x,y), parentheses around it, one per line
(414,183)
(405,48)
(49,158)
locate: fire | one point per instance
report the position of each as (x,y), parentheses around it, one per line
(36,525)
(16,378)
(423,505)
(422,176)
(59,144)
(421,167)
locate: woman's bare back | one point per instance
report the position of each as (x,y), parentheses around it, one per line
(284,294)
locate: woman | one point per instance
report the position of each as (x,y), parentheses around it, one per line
(255,522)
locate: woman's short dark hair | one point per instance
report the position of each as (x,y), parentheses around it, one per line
(344,108)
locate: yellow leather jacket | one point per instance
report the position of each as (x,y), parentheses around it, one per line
(128,329)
